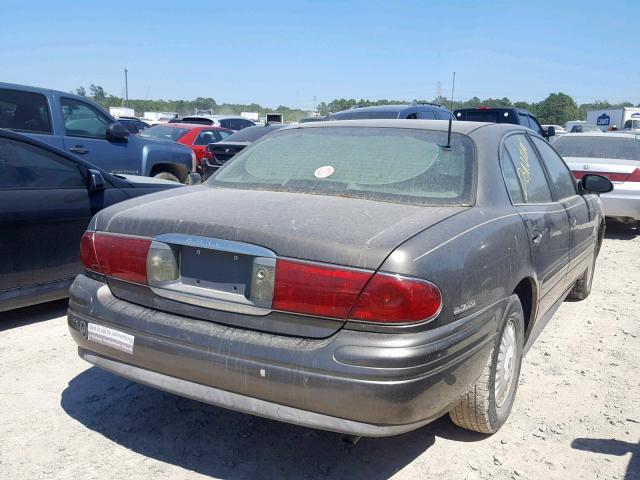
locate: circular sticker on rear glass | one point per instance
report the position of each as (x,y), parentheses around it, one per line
(324,172)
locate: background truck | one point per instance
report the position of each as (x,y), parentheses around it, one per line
(620,117)
(122,112)
(274,118)
(83,128)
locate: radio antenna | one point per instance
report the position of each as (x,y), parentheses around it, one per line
(453,86)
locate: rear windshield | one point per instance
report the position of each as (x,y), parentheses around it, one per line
(165,133)
(598,147)
(399,165)
(363,115)
(491,116)
(251,134)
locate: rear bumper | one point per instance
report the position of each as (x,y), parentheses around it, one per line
(358,383)
(623,201)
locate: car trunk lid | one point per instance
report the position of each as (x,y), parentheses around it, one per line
(225,235)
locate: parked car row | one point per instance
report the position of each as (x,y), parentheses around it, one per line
(363,274)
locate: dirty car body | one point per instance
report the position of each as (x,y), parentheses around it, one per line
(333,287)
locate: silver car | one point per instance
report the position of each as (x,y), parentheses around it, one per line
(614,155)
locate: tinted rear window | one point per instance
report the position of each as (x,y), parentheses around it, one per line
(387,164)
(598,147)
(251,134)
(491,116)
(165,133)
(24,111)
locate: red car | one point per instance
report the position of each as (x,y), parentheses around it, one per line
(197,137)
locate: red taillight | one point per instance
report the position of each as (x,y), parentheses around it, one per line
(315,289)
(634,177)
(115,256)
(395,299)
(337,292)
(88,252)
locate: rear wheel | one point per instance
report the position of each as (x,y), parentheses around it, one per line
(486,406)
(167,176)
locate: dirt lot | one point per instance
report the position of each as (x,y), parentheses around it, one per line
(577,413)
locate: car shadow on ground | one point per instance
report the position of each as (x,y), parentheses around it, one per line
(619,448)
(37,313)
(222,443)
(620,231)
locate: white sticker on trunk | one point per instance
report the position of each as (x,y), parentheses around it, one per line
(110,337)
(324,172)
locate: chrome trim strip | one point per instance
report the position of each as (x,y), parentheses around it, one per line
(230,246)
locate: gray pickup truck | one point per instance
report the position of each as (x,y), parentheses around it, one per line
(80,126)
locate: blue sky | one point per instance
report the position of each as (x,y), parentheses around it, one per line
(287,52)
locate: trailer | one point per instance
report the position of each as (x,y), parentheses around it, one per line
(620,118)
(122,112)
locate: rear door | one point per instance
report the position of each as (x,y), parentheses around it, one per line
(582,220)
(545,219)
(45,210)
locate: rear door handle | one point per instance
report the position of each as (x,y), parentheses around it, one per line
(536,237)
(79,149)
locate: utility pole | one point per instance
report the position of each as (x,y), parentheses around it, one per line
(439,90)
(126,87)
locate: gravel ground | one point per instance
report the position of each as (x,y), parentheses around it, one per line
(576,415)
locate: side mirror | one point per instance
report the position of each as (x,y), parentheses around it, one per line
(551,132)
(117,132)
(96,180)
(596,184)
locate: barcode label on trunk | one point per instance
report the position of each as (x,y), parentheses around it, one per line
(110,337)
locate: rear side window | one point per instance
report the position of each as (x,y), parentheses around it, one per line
(560,174)
(387,164)
(24,111)
(25,166)
(165,133)
(428,115)
(207,136)
(529,172)
(83,120)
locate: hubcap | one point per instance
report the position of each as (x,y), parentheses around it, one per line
(505,366)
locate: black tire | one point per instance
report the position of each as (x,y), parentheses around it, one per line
(478,410)
(167,176)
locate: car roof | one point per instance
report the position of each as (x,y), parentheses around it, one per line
(457,126)
(392,108)
(482,107)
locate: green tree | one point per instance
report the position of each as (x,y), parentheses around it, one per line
(81,91)
(557,109)
(97,93)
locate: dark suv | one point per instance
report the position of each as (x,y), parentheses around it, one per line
(416,111)
(517,116)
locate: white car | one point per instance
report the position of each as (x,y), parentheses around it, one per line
(613,155)
(230,122)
